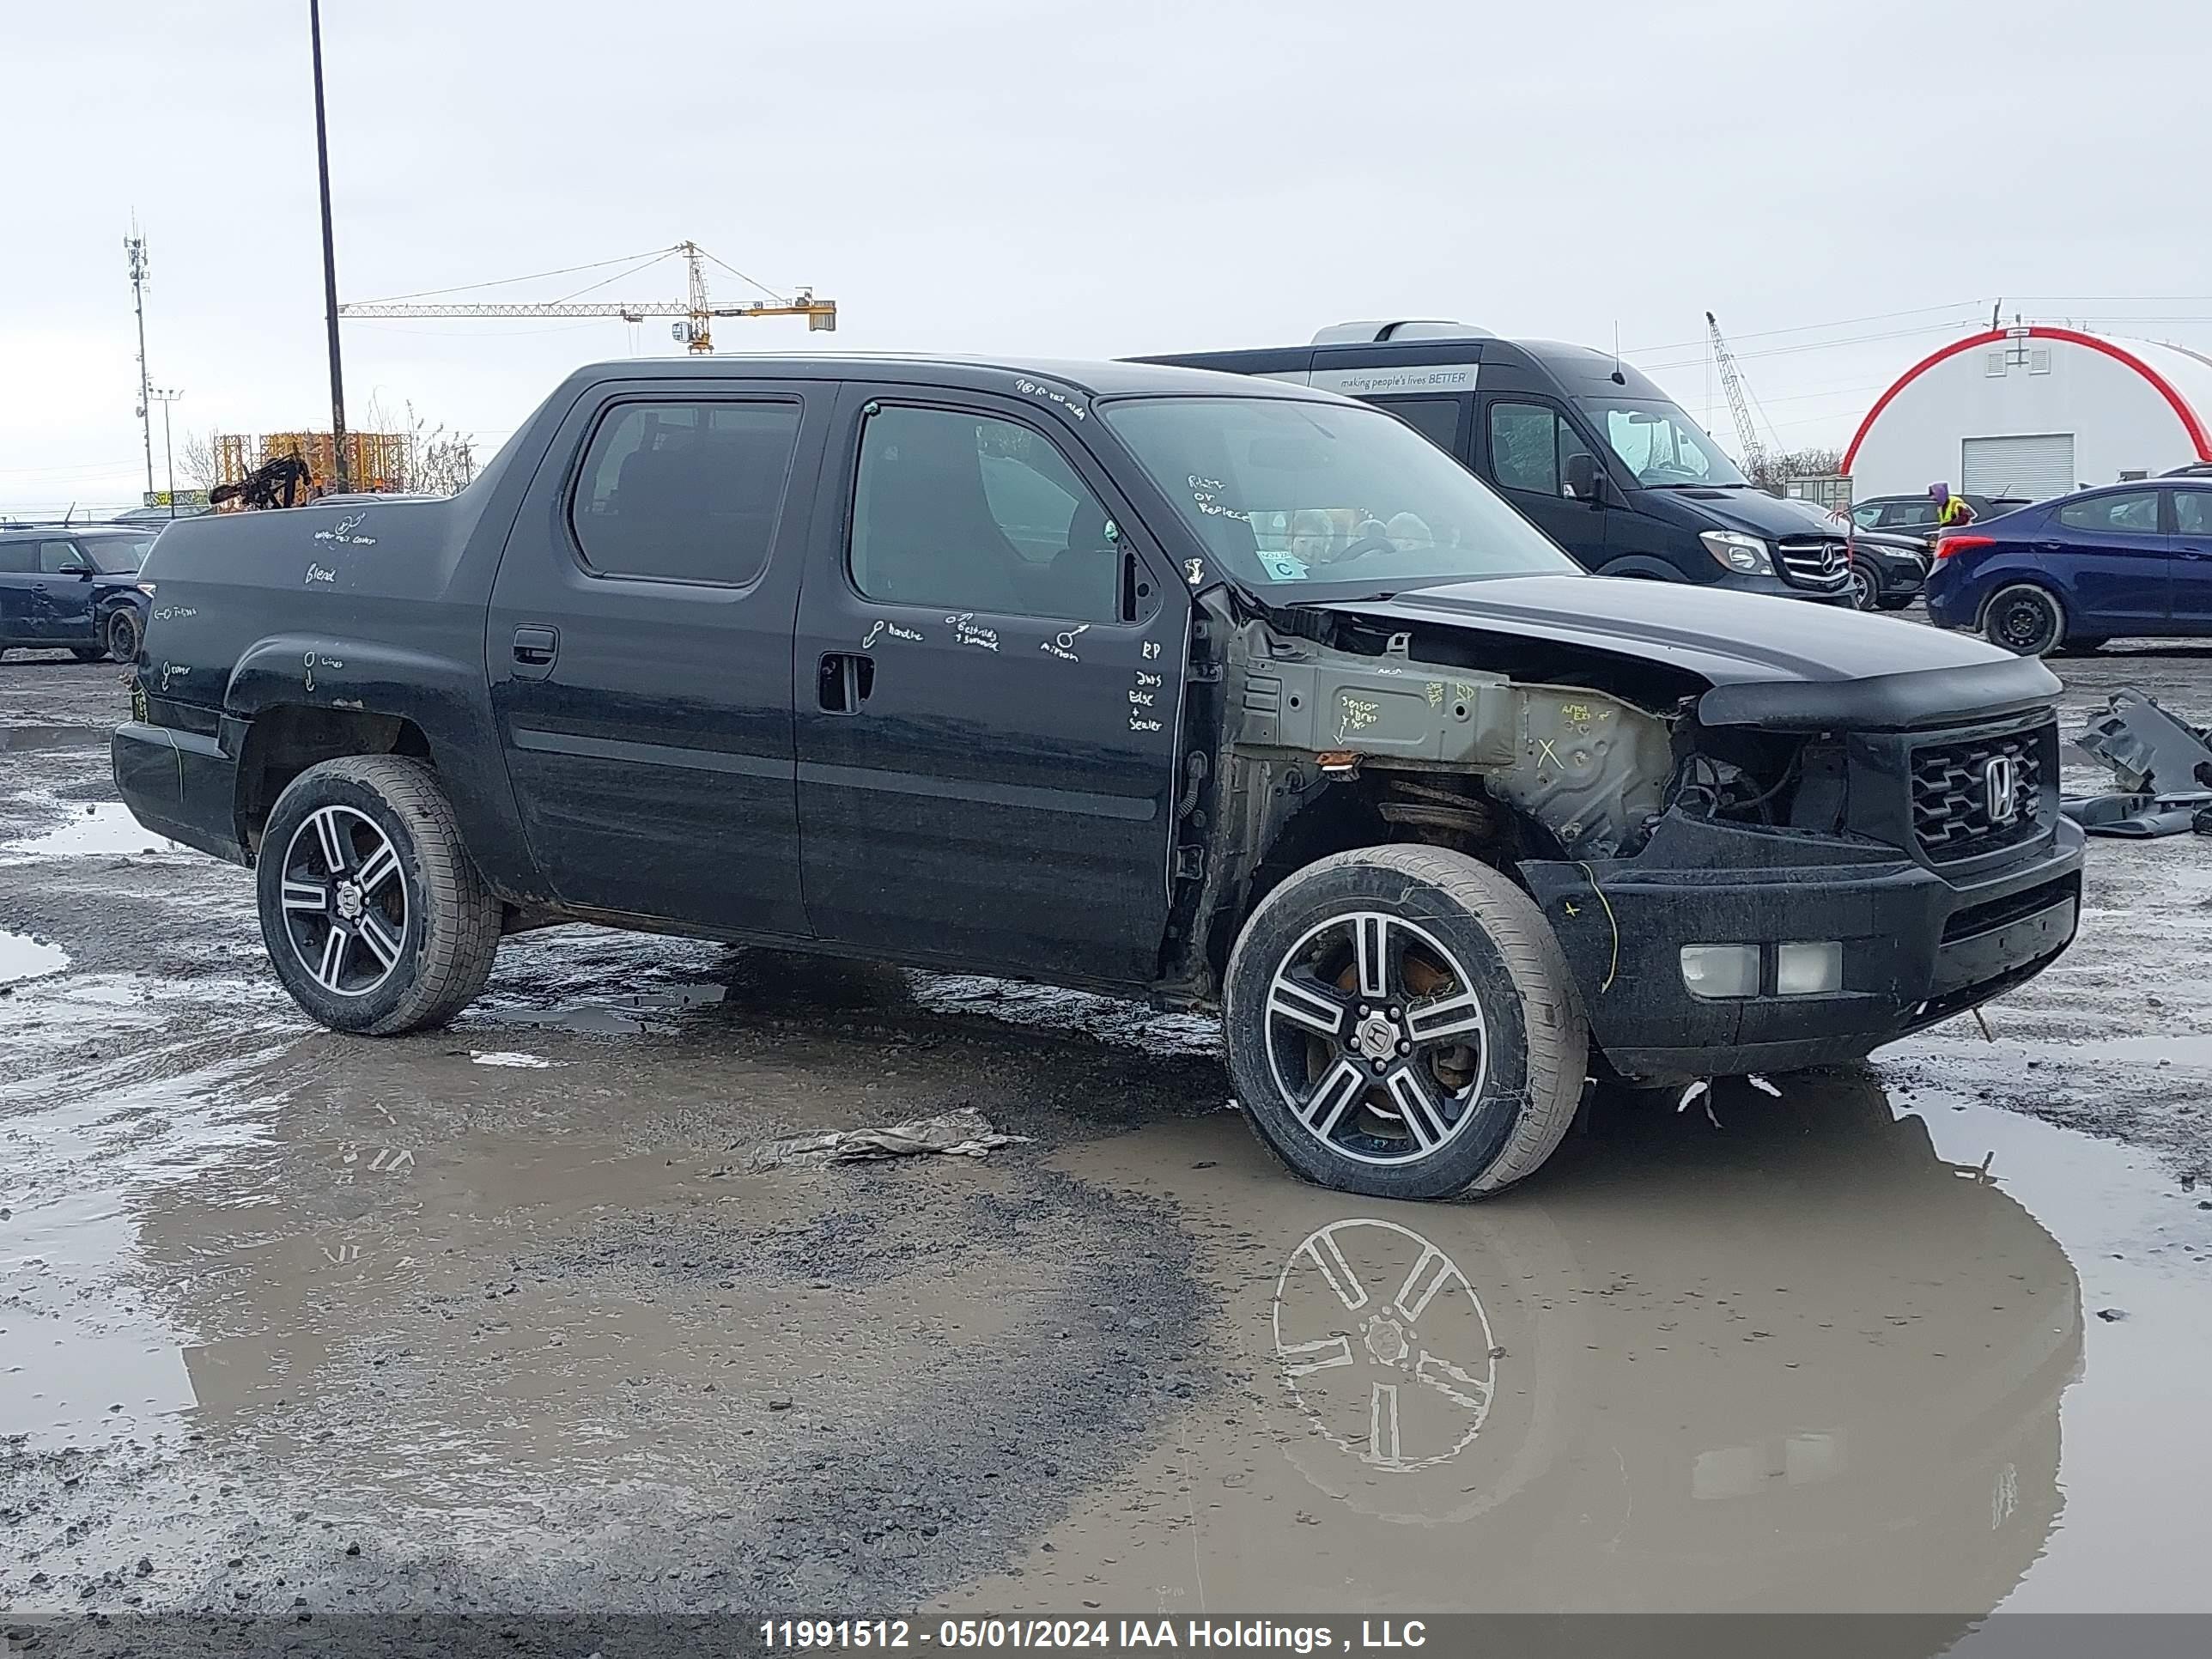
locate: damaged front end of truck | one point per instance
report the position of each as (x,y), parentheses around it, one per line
(1752,858)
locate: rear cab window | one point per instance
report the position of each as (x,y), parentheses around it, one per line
(685,490)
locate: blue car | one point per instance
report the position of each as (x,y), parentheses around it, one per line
(75,587)
(2129,559)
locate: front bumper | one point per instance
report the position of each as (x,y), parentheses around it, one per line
(1918,946)
(180,784)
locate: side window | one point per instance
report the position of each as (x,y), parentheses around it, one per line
(1866,518)
(1524,447)
(2132,513)
(974,512)
(1436,419)
(1529,447)
(2192,511)
(55,557)
(685,492)
(18,558)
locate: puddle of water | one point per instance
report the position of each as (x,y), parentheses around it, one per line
(640,1010)
(19,737)
(1813,1360)
(22,958)
(2190,1049)
(107,828)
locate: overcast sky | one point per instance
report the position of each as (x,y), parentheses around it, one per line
(1082,180)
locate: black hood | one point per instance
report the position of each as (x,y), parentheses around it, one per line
(1752,511)
(1771,662)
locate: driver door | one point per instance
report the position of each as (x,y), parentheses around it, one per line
(62,593)
(987,685)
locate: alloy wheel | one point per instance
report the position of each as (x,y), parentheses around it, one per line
(1376,1038)
(344,901)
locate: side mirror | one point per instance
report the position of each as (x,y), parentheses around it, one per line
(82,572)
(1581,477)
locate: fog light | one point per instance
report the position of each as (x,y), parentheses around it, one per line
(1721,970)
(1809,968)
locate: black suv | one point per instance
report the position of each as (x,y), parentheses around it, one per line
(76,587)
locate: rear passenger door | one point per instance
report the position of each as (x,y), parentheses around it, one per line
(639,645)
(1527,442)
(2190,588)
(989,663)
(2109,550)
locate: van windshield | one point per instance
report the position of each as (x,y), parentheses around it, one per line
(1284,492)
(1660,444)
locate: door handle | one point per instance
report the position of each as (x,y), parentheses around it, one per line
(535,648)
(843,681)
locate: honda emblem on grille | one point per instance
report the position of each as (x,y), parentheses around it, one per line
(2001,787)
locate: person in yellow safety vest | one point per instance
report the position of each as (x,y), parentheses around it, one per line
(1951,511)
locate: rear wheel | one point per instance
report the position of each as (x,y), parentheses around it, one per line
(121,638)
(1400,1023)
(2026,619)
(375,917)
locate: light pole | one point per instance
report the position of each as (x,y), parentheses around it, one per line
(330,256)
(168,455)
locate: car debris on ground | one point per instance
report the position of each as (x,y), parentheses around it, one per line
(963,1133)
(2163,766)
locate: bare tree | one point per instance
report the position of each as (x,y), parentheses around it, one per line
(438,461)
(1778,470)
(196,464)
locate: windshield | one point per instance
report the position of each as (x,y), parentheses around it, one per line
(1285,492)
(116,555)
(1659,443)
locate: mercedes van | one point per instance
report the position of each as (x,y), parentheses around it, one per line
(1589,450)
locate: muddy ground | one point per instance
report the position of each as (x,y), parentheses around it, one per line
(501,1319)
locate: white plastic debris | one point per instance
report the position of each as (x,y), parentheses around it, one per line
(530,1062)
(1701,1090)
(965,1132)
(1763,1085)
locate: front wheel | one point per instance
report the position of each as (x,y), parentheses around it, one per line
(375,917)
(1865,590)
(1400,1023)
(120,639)
(2025,620)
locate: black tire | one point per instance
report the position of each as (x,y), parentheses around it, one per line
(431,912)
(2024,619)
(2087,648)
(1495,1106)
(1863,585)
(120,638)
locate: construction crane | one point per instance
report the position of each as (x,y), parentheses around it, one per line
(1754,452)
(697,309)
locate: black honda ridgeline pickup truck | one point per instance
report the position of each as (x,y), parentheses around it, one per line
(1221,692)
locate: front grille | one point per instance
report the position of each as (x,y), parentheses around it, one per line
(1960,812)
(1812,562)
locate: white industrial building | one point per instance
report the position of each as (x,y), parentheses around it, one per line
(2036,411)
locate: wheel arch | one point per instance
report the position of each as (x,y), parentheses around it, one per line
(285,738)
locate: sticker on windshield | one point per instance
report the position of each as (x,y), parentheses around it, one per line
(1283,568)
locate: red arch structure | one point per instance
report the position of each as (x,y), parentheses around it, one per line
(2188,416)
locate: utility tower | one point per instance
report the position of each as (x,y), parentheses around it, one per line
(697,309)
(134,248)
(1754,452)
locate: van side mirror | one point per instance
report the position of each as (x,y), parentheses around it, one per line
(82,572)
(1581,477)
